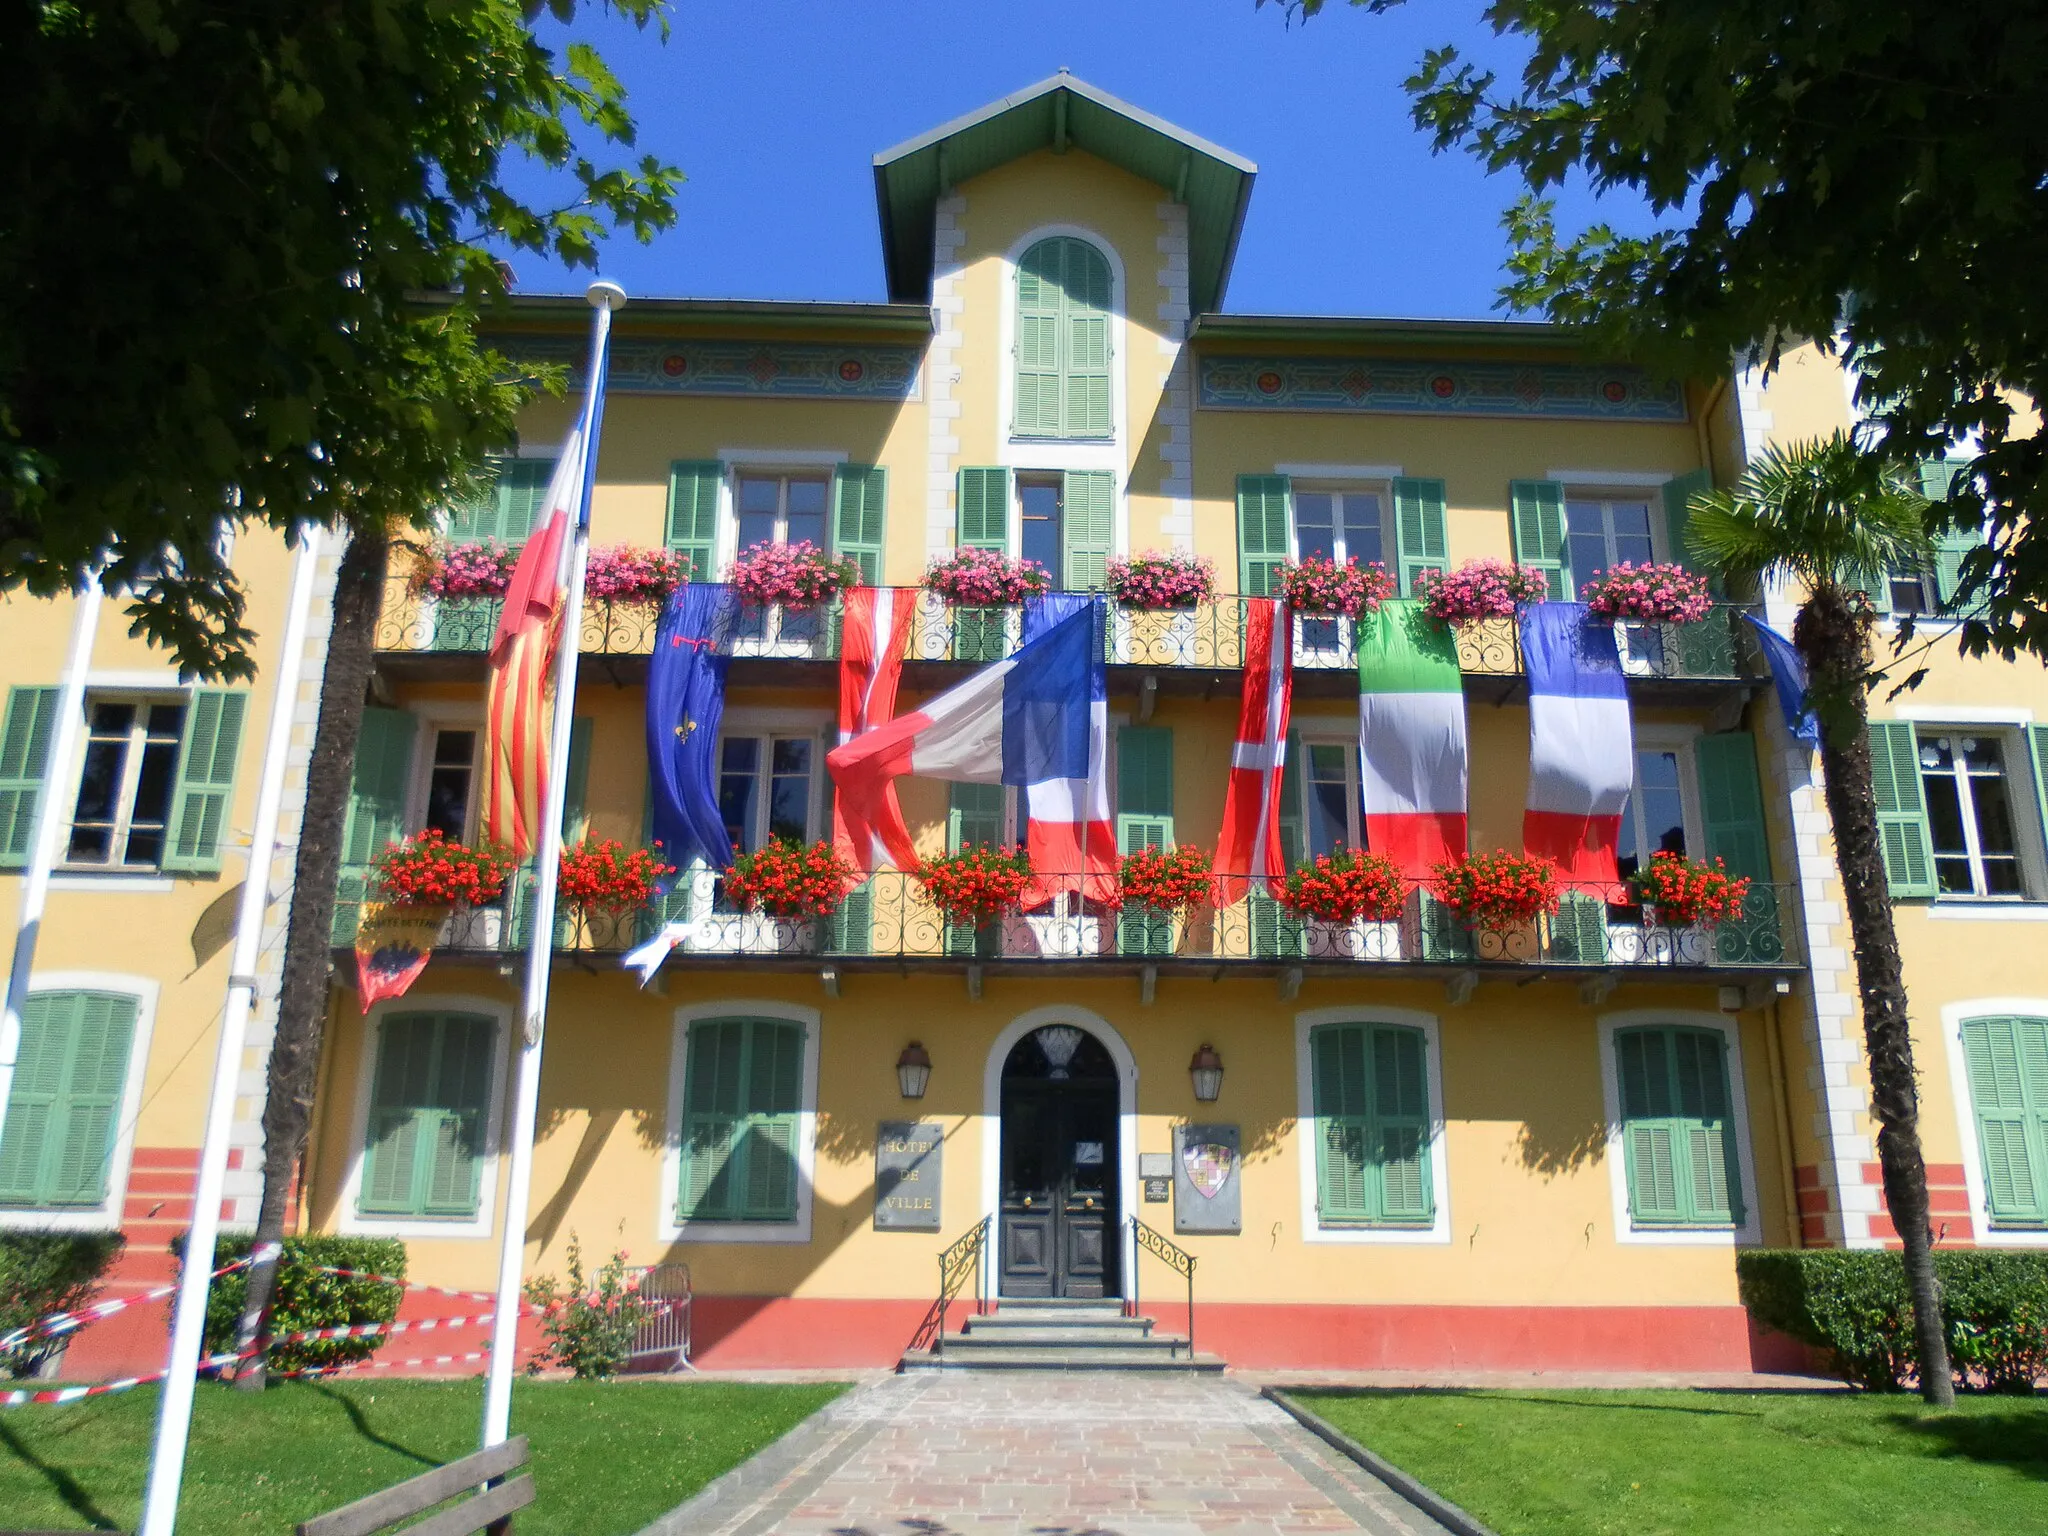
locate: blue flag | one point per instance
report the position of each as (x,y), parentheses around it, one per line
(1788,671)
(685,702)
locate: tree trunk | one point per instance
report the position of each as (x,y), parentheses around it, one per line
(303,997)
(1833,635)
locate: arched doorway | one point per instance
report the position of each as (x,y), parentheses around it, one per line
(1057,1215)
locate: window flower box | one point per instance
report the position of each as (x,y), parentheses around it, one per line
(451,572)
(428,870)
(626,573)
(985,578)
(1479,590)
(1319,586)
(786,879)
(1156,581)
(1498,892)
(1343,887)
(1650,593)
(976,885)
(797,576)
(1678,892)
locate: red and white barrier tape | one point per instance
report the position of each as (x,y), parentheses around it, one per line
(102,1388)
(69,1322)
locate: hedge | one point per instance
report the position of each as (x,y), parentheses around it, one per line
(1853,1306)
(45,1272)
(305,1298)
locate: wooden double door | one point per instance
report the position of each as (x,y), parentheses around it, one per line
(1059,1218)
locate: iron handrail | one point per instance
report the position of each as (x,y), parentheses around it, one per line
(970,1251)
(1178,1259)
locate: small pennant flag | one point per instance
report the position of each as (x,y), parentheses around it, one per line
(393,945)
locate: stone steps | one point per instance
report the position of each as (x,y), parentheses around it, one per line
(1060,1335)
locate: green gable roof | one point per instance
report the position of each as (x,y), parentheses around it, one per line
(1057,114)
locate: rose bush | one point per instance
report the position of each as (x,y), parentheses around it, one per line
(605,877)
(1499,890)
(798,575)
(626,573)
(1178,578)
(1318,585)
(985,578)
(1165,880)
(977,883)
(1686,893)
(1668,594)
(790,879)
(1344,886)
(1480,589)
(453,571)
(427,870)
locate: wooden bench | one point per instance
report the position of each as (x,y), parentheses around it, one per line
(490,1510)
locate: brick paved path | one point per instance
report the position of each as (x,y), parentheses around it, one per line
(1028,1454)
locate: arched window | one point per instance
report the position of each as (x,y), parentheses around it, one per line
(1063,303)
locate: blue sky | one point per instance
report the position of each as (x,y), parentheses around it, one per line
(775,108)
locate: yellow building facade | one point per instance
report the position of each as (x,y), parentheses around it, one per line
(1428,1148)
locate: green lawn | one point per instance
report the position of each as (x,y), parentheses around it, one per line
(606,1458)
(1694,1463)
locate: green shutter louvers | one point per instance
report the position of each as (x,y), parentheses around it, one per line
(1372,1126)
(202,798)
(693,491)
(424,1135)
(1419,535)
(64,1109)
(1539,532)
(1677,1131)
(2006,1061)
(1263,539)
(860,499)
(1063,380)
(1089,528)
(742,1104)
(25,738)
(1901,808)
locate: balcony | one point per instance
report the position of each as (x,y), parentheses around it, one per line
(1187,650)
(889,924)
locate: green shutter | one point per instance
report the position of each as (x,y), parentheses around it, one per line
(522,489)
(1039,320)
(1678,495)
(2037,756)
(1293,778)
(860,502)
(1144,787)
(1678,1138)
(742,1097)
(576,789)
(1578,933)
(376,809)
(1539,532)
(1062,348)
(850,930)
(1089,527)
(202,799)
(1371,1101)
(429,1106)
(1087,359)
(693,488)
(1419,530)
(2007,1065)
(24,754)
(984,509)
(1262,536)
(1901,810)
(974,817)
(1445,935)
(1732,803)
(65,1106)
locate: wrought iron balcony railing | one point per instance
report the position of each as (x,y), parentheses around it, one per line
(1206,637)
(890,918)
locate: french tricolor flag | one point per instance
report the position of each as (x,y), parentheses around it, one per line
(1069,833)
(1581,746)
(1025,720)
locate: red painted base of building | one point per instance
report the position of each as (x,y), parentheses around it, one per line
(769,1332)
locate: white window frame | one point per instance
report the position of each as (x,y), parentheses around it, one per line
(667,1227)
(350,1220)
(1750,1233)
(1982,1232)
(1438,1232)
(1050,454)
(428,722)
(2020,791)
(107,1215)
(1681,740)
(1322,734)
(701,877)
(1338,480)
(99,875)
(781,464)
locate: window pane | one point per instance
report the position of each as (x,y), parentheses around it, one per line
(1908,594)
(757,509)
(99,786)
(100,782)
(166,722)
(448,783)
(1663,813)
(1329,812)
(1945,816)
(1040,509)
(1585,540)
(1631,520)
(789,804)
(152,801)
(1314,528)
(1362,528)
(806,518)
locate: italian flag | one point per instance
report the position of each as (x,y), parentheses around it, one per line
(1411,737)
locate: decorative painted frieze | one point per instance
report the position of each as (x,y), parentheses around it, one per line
(768,370)
(1421,387)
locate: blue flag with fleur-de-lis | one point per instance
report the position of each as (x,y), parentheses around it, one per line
(685,702)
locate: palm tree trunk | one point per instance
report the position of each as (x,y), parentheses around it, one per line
(303,997)
(1833,635)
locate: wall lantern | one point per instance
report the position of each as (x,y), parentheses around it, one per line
(1206,1073)
(913,1070)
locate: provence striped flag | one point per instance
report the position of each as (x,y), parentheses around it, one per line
(1249,847)
(1411,738)
(522,665)
(1581,743)
(875,629)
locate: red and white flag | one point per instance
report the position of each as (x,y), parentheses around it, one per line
(1249,847)
(871,831)
(522,666)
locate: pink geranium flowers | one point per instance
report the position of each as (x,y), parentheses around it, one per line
(455,571)
(985,578)
(1663,594)
(798,575)
(626,573)
(1179,578)
(1480,589)
(1318,585)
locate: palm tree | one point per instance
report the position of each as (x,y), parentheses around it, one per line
(1832,520)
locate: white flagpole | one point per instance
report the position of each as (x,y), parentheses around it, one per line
(188,1316)
(48,826)
(604,297)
